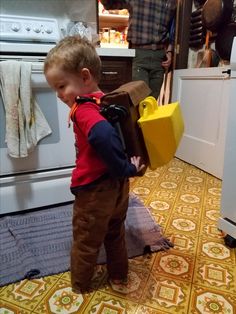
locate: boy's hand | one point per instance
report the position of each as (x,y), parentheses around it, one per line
(135,160)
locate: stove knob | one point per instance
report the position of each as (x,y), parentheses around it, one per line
(37,30)
(15,27)
(28,28)
(48,30)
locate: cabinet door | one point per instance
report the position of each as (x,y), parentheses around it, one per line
(115,72)
(203,95)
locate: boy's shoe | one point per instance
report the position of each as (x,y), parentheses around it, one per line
(81,290)
(123,281)
(77,291)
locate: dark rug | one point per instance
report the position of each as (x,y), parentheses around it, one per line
(37,244)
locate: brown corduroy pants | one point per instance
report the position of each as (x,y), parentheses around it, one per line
(98,216)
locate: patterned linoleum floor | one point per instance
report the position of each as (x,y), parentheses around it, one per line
(198,275)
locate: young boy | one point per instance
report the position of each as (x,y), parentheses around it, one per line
(100,178)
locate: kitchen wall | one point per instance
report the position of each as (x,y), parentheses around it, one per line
(64,11)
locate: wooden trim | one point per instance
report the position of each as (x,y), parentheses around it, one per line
(184,10)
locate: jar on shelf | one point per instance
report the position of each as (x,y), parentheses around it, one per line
(104,35)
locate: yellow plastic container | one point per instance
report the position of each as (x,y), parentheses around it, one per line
(162,128)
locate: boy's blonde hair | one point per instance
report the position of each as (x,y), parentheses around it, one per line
(72,54)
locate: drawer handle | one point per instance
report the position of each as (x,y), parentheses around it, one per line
(109,73)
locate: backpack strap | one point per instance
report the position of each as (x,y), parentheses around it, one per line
(113,112)
(78,101)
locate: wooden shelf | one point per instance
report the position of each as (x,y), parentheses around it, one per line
(113,20)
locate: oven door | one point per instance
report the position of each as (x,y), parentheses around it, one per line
(42,178)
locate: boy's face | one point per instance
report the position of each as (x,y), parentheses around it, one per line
(66,84)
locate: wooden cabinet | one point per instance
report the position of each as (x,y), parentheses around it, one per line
(115,72)
(116,67)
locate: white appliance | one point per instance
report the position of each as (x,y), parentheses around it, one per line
(227,221)
(42,178)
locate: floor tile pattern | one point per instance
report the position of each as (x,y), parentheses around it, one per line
(197,276)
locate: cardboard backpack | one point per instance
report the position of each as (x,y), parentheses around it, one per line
(147,130)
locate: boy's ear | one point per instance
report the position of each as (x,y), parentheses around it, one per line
(86,75)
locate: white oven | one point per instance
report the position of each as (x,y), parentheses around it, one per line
(43,177)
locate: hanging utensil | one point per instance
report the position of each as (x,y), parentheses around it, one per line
(204,57)
(197,36)
(224,41)
(216,13)
(198,30)
(196,19)
(194,26)
(199,3)
(196,12)
(196,43)
(163,100)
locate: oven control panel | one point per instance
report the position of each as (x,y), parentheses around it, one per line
(24,28)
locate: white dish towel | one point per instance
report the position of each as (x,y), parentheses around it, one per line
(25,123)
